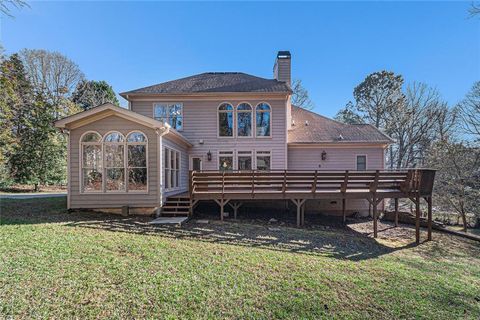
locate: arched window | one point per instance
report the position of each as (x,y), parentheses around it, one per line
(225,120)
(91,153)
(114,154)
(244,120)
(263,120)
(137,161)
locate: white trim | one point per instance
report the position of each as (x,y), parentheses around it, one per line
(178,187)
(270,119)
(69,180)
(356,161)
(80,165)
(108,109)
(233,120)
(167,103)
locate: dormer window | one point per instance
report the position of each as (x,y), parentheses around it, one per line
(171,113)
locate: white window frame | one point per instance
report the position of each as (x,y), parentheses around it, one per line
(356,161)
(234,119)
(104,168)
(226,153)
(252,119)
(270,119)
(105,144)
(146,160)
(167,166)
(244,153)
(167,104)
(80,172)
(263,153)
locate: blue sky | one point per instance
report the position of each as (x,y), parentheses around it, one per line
(334,45)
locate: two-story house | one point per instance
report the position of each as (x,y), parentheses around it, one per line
(220,121)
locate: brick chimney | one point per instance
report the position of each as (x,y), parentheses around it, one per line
(282,70)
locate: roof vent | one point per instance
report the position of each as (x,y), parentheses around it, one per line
(306,122)
(340,137)
(293,122)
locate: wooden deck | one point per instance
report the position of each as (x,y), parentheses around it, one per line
(298,186)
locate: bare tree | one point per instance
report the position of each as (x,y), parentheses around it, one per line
(474,9)
(469,111)
(457,183)
(53,75)
(6,5)
(300,96)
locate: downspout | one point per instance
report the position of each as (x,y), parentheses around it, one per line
(160,133)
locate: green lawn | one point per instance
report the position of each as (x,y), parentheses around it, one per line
(83,265)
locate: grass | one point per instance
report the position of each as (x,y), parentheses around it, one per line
(55,264)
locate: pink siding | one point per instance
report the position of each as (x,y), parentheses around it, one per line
(309,158)
(200,123)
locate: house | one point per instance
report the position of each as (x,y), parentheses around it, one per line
(141,157)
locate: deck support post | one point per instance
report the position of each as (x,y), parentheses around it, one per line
(375,218)
(222,203)
(396,212)
(299,203)
(235,206)
(344,213)
(429,218)
(417,219)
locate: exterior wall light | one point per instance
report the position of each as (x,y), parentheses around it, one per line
(324,155)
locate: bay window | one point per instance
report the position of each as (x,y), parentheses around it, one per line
(91,148)
(171,113)
(114,152)
(137,161)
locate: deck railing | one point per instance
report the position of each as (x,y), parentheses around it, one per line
(282,183)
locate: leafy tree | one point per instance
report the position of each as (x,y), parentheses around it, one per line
(15,102)
(348,115)
(457,184)
(89,94)
(378,94)
(469,111)
(300,96)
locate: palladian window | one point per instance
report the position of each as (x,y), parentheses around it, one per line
(225,120)
(91,145)
(114,164)
(137,161)
(114,150)
(244,120)
(263,120)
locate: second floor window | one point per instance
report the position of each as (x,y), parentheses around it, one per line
(263,120)
(225,120)
(244,120)
(172,113)
(361,162)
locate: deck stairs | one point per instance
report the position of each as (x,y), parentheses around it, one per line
(176,206)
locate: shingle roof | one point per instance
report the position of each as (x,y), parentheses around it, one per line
(215,82)
(322,129)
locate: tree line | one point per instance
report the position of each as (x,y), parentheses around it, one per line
(38,87)
(427,133)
